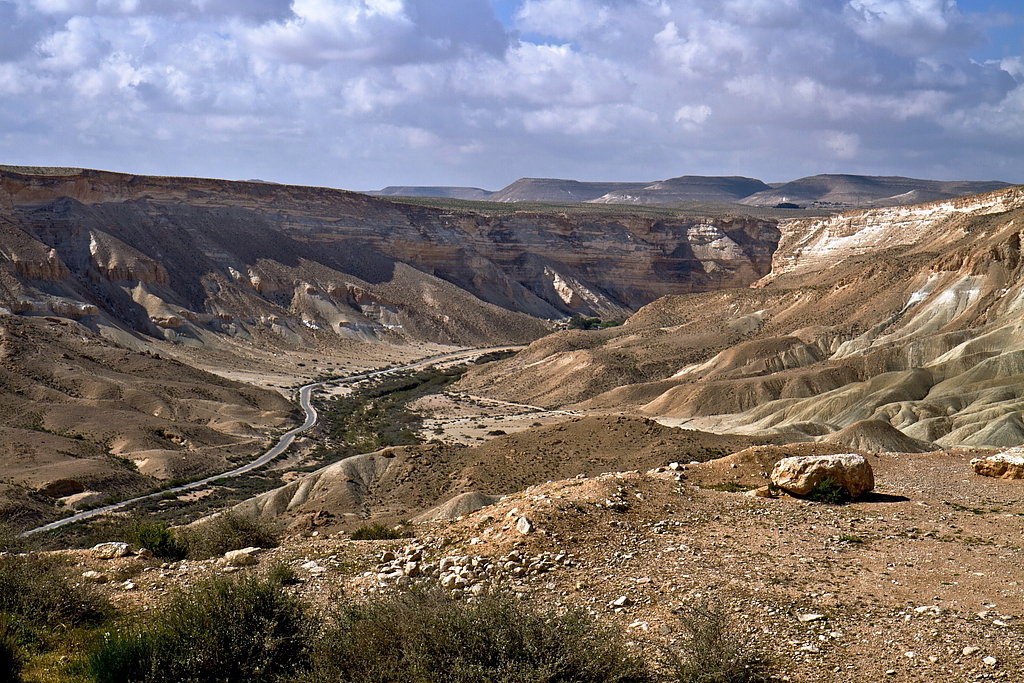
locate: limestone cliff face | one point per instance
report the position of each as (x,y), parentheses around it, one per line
(180,254)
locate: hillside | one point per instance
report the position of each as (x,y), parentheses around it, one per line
(196,261)
(83,419)
(471,193)
(687,189)
(558,190)
(908,316)
(852,191)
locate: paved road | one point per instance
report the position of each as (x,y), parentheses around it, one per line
(305,395)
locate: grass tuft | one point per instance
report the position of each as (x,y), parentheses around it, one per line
(711,652)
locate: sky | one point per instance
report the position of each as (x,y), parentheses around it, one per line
(361,94)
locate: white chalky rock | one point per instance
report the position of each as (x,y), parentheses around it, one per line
(245,557)
(523,525)
(800,474)
(1006,465)
(109,551)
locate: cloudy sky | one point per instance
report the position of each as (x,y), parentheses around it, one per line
(366,93)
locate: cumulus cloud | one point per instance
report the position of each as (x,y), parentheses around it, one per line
(363,93)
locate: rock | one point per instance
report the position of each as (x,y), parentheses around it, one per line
(144,554)
(761,492)
(799,475)
(1006,465)
(970,650)
(807,618)
(990,661)
(95,577)
(621,601)
(110,550)
(523,525)
(246,557)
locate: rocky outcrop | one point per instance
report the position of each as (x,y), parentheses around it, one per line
(800,474)
(1006,465)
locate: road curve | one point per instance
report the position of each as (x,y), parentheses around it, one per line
(305,396)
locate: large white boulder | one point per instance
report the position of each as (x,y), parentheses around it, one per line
(800,474)
(245,557)
(110,550)
(1006,465)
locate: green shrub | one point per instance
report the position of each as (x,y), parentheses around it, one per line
(711,652)
(157,537)
(217,631)
(227,531)
(828,491)
(426,636)
(379,532)
(38,597)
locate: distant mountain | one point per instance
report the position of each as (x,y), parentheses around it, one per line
(687,188)
(837,191)
(448,191)
(559,190)
(847,191)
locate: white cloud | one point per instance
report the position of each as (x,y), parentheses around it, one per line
(437,91)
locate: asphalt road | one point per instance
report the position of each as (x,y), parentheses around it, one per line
(305,396)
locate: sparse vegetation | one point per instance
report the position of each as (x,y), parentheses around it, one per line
(578,322)
(426,636)
(828,491)
(227,531)
(41,610)
(376,416)
(157,537)
(380,532)
(219,630)
(711,652)
(728,487)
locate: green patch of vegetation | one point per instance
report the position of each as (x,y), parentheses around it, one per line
(728,487)
(157,537)
(578,322)
(219,630)
(380,532)
(227,531)
(711,651)
(42,610)
(428,637)
(377,415)
(828,491)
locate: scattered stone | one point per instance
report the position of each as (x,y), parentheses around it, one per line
(800,474)
(110,550)
(761,492)
(621,601)
(95,577)
(524,526)
(970,650)
(990,661)
(807,618)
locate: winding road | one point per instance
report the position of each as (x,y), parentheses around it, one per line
(305,402)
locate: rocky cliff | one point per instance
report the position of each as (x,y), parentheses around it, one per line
(188,258)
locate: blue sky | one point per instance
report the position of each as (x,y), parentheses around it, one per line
(366,93)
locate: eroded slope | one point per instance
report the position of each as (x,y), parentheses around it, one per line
(908,316)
